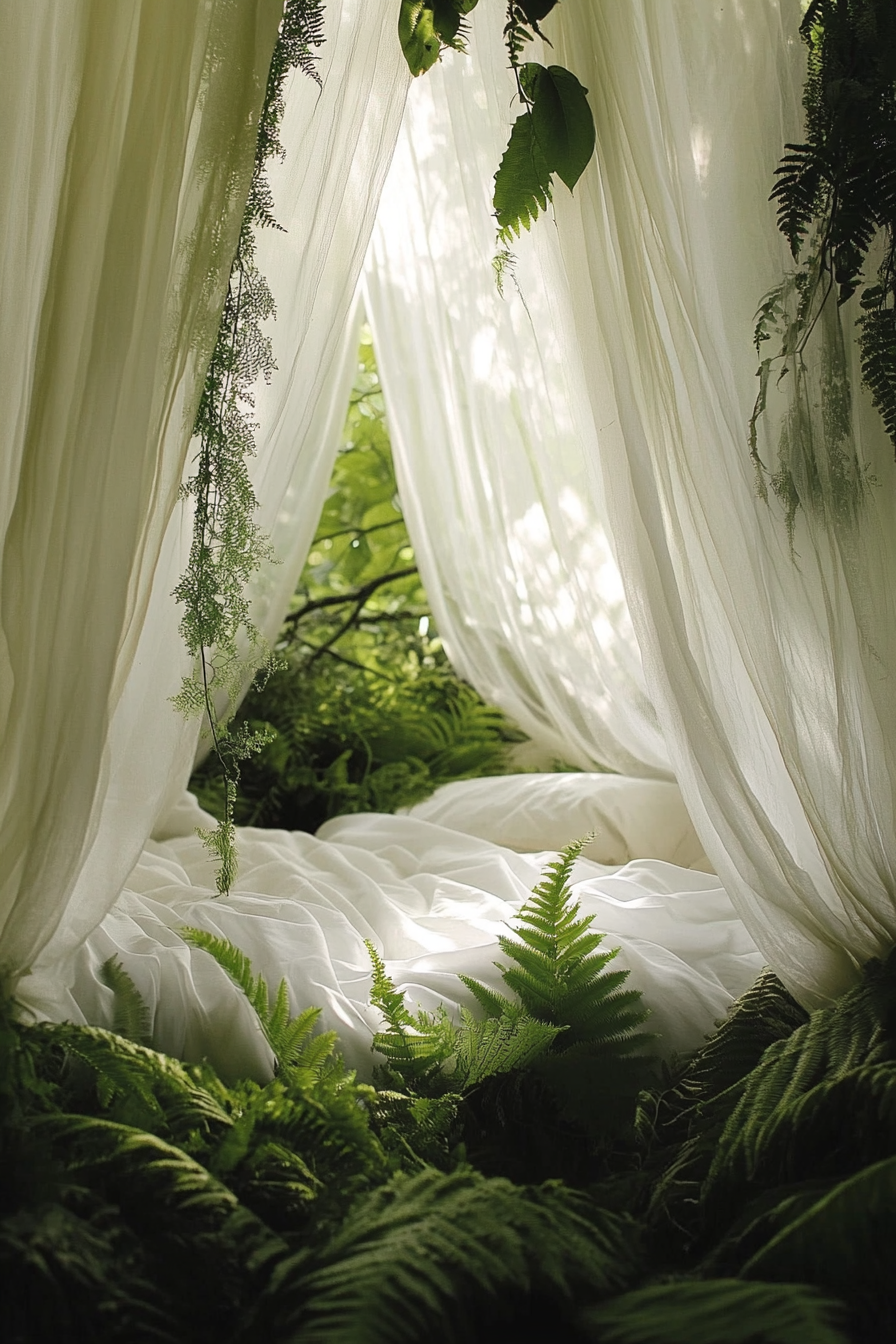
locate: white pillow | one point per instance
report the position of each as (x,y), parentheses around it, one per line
(630,818)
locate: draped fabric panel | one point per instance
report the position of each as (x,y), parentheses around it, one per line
(125,160)
(492,429)
(137,146)
(772,671)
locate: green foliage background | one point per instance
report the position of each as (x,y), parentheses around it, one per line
(365,712)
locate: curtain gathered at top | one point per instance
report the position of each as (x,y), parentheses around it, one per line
(125,161)
(492,431)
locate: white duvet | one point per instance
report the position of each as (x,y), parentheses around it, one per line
(432,889)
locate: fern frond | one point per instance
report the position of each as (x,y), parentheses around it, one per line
(384,995)
(842,1243)
(131,1016)
(299,1053)
(724,1309)
(485,1049)
(558,973)
(427,1256)
(155,1181)
(152,1089)
(764,1014)
(235,963)
(832,1044)
(493,1003)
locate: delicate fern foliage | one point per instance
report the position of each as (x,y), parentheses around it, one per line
(774,1177)
(438,1256)
(596,1066)
(836,196)
(558,974)
(300,1055)
(842,1242)
(342,745)
(131,1017)
(764,1126)
(228,546)
(144,1088)
(430,1054)
(765,1014)
(691,1113)
(724,1309)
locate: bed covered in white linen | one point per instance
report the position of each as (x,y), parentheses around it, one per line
(432,889)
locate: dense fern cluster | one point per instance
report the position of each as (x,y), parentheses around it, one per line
(836,197)
(749,1199)
(346,743)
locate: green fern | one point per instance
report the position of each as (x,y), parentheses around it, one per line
(834,1043)
(842,1242)
(430,1054)
(141,1087)
(836,196)
(689,1115)
(300,1054)
(228,546)
(708,1313)
(437,1256)
(558,975)
(764,1014)
(131,1017)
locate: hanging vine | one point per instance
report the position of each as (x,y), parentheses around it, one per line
(228,546)
(836,198)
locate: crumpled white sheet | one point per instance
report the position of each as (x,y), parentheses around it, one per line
(431,896)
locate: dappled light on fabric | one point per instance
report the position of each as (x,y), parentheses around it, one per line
(492,428)
(771,670)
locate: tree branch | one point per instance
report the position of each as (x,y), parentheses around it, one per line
(359,595)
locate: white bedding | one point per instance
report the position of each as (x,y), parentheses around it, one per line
(432,889)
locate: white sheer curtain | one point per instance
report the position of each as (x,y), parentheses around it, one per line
(127,175)
(492,429)
(772,674)
(125,158)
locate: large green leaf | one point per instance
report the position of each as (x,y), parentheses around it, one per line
(535,10)
(563,124)
(554,135)
(522,182)
(417,35)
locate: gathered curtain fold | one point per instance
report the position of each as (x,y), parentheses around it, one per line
(125,161)
(771,668)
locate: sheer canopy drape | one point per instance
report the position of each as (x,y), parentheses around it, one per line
(492,429)
(770,672)
(125,159)
(125,177)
